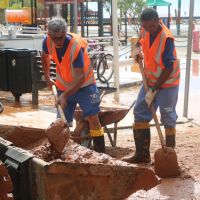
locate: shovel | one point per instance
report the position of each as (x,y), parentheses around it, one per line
(58,132)
(166,164)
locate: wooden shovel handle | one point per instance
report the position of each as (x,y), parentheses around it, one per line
(59,107)
(152,109)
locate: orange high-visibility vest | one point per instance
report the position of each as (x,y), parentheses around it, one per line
(153,58)
(64,69)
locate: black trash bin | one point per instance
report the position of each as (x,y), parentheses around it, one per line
(18,162)
(19,71)
(4,145)
(3,71)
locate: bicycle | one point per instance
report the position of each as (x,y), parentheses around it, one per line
(96,51)
(101,61)
(105,69)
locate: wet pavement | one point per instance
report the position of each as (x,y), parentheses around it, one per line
(194,90)
(129,82)
(171,189)
(41,116)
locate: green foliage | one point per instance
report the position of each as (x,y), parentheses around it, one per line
(15,4)
(129,8)
(132,9)
(27,3)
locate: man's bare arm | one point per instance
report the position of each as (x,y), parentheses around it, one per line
(46,67)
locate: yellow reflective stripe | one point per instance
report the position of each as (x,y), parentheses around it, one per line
(141,125)
(158,54)
(73,49)
(155,74)
(97,133)
(74,46)
(170,131)
(89,81)
(86,73)
(67,84)
(64,83)
(159,71)
(151,80)
(175,70)
(169,81)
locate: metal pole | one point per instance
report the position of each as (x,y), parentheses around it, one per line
(168,21)
(75,6)
(188,61)
(179,17)
(87,19)
(58,8)
(31,12)
(115,47)
(45,13)
(36,14)
(82,20)
(100,21)
(126,30)
(71,17)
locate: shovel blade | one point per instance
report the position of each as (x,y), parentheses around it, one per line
(166,164)
(58,135)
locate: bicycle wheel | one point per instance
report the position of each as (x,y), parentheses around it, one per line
(105,68)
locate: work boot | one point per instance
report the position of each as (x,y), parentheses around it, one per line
(170,134)
(98,140)
(99,144)
(142,144)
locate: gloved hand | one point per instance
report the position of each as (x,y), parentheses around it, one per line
(150,96)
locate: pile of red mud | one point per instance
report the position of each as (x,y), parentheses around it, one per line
(72,153)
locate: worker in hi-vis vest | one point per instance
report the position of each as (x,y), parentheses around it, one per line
(156,47)
(74,76)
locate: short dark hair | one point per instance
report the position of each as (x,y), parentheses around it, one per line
(149,14)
